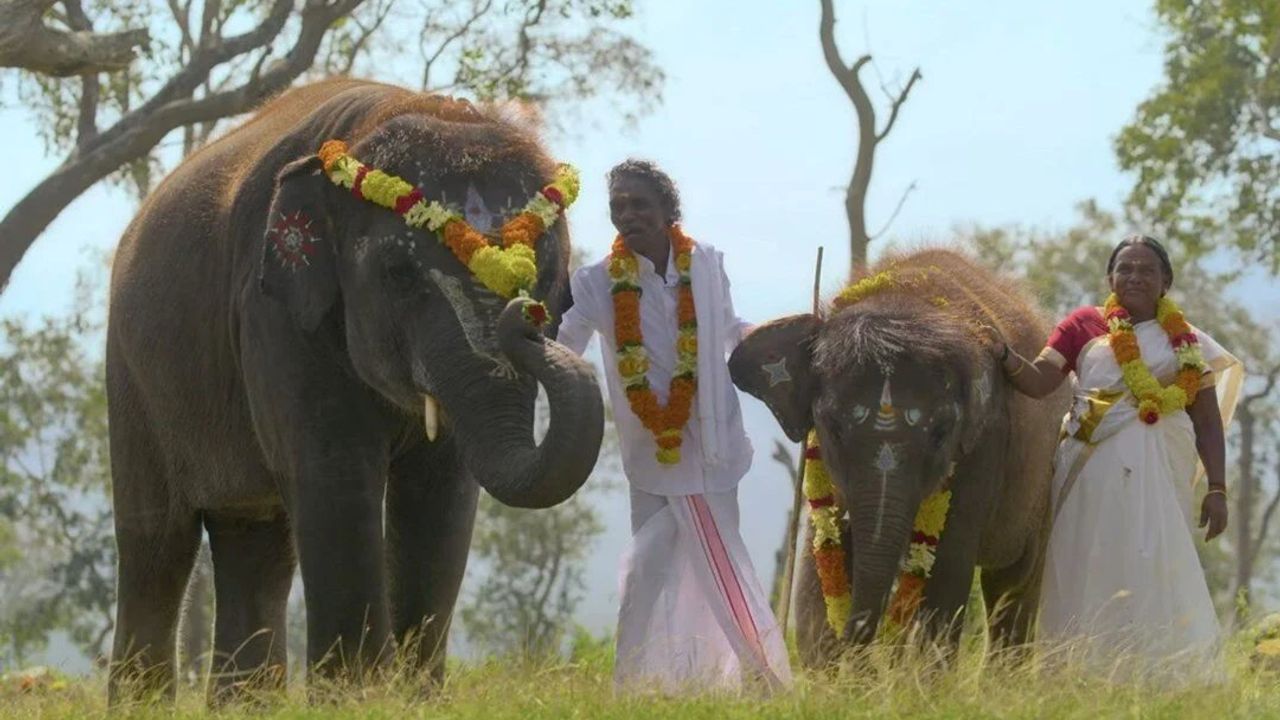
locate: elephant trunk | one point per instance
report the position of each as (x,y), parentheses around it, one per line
(879,537)
(502,454)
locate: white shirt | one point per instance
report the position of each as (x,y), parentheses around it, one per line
(716,452)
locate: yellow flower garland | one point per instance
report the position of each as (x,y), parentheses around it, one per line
(1154,400)
(508,271)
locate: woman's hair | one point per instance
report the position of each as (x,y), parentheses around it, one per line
(1150,242)
(649,172)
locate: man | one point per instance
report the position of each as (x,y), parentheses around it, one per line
(693,613)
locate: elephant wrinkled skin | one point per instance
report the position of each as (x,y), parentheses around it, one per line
(904,391)
(272,341)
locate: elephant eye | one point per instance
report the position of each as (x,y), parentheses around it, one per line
(912,416)
(938,433)
(860,413)
(401,278)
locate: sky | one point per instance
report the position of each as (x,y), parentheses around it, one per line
(1012,122)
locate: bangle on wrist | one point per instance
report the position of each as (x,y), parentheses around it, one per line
(1217,490)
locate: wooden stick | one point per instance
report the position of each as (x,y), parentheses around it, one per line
(793,521)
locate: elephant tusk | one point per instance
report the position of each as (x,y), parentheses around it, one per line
(431,417)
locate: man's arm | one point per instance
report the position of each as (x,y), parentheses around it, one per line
(576,325)
(735,328)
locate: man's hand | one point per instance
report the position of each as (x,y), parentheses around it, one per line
(1213,512)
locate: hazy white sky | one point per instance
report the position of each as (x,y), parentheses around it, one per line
(1013,122)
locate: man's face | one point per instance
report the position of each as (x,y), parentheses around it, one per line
(636,210)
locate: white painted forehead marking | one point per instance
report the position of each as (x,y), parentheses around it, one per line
(886,459)
(886,417)
(477,213)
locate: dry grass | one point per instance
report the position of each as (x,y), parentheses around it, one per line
(881,685)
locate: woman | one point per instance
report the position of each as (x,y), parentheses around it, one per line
(1122,581)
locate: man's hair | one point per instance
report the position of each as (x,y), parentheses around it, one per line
(648,171)
(1161,254)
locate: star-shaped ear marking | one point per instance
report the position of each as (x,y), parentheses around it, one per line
(777,372)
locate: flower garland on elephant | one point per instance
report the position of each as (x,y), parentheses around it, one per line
(508,271)
(666,424)
(1154,400)
(825,512)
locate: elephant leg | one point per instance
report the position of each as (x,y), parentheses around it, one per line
(336,516)
(252,571)
(431,507)
(1012,595)
(946,593)
(157,537)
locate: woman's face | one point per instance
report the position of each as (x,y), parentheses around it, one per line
(1138,279)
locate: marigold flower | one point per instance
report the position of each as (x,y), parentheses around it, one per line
(523,229)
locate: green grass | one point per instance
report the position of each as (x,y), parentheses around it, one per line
(885,687)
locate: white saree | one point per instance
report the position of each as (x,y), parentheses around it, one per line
(1123,592)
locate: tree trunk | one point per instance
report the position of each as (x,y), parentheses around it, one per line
(1245,504)
(135,135)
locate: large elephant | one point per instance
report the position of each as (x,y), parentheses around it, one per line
(904,391)
(276,344)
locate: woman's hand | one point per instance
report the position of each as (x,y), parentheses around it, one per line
(1213,512)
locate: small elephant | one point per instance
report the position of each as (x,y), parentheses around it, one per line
(295,370)
(905,392)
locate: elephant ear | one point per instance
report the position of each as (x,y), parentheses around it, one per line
(775,364)
(297,265)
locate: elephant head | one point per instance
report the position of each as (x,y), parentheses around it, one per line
(897,391)
(419,328)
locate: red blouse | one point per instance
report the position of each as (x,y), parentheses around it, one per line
(1074,332)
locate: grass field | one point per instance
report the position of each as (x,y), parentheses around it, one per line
(883,687)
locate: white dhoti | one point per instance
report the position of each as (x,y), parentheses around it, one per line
(693,613)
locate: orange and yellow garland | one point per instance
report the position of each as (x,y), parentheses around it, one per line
(666,424)
(510,270)
(828,551)
(1154,400)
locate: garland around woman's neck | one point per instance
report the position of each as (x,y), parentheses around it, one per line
(1154,400)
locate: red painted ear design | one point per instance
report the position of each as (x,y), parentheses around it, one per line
(292,240)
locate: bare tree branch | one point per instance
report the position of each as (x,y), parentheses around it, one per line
(139,131)
(27,42)
(478,11)
(1266,518)
(380,16)
(1272,375)
(855,200)
(897,103)
(87,122)
(901,201)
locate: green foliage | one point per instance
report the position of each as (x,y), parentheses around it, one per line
(534,575)
(57,557)
(1205,147)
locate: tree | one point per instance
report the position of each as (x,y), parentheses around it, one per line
(1065,270)
(111,123)
(27,42)
(57,556)
(869,138)
(1206,145)
(534,575)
